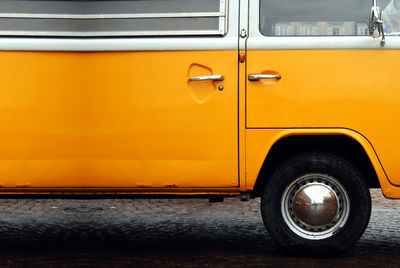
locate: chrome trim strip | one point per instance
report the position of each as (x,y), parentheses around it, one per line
(222,26)
(223,21)
(110,16)
(223,7)
(110,33)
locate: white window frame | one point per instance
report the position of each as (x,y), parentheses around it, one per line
(221,15)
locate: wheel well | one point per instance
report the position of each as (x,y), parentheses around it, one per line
(341,145)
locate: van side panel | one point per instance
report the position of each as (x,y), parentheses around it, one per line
(118,119)
(260,141)
(349,89)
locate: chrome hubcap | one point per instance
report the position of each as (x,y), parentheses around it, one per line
(315,206)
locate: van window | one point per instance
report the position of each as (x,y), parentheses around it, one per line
(391,17)
(112,18)
(311,17)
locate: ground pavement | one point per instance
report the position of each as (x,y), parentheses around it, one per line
(169,233)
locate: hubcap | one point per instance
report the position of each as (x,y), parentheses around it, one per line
(315,206)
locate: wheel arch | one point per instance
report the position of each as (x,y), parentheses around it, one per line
(349,144)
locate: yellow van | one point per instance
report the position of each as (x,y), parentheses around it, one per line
(288,100)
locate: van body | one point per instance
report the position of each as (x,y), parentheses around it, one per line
(291,101)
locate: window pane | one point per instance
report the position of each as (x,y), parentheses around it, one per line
(391,16)
(108,6)
(111,17)
(95,27)
(314,17)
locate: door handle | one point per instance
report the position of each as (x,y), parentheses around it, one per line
(257,77)
(217,77)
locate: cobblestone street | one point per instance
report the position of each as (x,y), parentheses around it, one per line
(165,233)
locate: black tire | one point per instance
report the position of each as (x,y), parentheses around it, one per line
(283,230)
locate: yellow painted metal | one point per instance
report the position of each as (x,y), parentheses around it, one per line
(131,122)
(242,124)
(347,89)
(260,141)
(118,119)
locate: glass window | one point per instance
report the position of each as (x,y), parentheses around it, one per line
(112,17)
(391,16)
(314,17)
(283,29)
(362,29)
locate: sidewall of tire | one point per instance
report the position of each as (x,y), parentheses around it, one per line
(336,167)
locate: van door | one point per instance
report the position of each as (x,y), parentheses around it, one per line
(311,64)
(296,62)
(148,108)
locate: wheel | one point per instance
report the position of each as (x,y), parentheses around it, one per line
(316,203)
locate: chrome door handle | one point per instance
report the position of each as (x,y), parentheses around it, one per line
(256,77)
(217,77)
